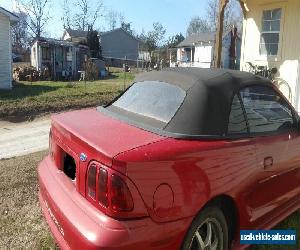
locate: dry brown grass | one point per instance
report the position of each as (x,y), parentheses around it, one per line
(21,222)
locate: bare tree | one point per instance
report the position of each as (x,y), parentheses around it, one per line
(173,41)
(20,39)
(232,17)
(212,11)
(154,38)
(127,27)
(67,15)
(232,14)
(112,19)
(121,19)
(198,25)
(81,14)
(38,16)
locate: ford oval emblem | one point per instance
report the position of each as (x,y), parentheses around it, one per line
(83,157)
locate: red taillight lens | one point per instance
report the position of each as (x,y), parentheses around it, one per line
(121,199)
(111,192)
(92,181)
(102,187)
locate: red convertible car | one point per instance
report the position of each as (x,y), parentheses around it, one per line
(183,159)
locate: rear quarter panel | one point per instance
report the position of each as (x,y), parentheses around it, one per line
(197,171)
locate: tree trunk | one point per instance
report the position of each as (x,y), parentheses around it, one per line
(219,35)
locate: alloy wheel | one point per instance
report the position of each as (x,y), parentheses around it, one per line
(208,236)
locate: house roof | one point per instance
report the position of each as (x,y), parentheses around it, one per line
(197,38)
(12,17)
(117,30)
(77,33)
(56,42)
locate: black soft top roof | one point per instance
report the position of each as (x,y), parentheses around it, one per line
(206,107)
(185,78)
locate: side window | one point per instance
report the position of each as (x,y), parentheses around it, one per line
(266,110)
(237,122)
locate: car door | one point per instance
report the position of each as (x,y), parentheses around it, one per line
(272,123)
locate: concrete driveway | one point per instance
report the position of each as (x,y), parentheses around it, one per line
(23,138)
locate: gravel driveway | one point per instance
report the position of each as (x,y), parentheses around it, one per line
(23,138)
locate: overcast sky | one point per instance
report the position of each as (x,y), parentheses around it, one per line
(173,14)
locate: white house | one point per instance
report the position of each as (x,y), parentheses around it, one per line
(6,20)
(271,38)
(198,50)
(60,58)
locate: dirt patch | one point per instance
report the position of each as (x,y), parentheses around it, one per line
(21,222)
(11,121)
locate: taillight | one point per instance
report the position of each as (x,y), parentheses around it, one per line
(92,181)
(121,199)
(102,195)
(112,192)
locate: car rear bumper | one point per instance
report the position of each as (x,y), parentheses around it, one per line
(76,224)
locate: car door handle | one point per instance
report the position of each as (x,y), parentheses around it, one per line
(268,162)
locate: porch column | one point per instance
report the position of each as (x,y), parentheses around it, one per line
(39,54)
(54,60)
(244,6)
(220,25)
(219,34)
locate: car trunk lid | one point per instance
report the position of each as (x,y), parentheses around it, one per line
(91,135)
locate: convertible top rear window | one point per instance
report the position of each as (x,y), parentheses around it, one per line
(184,102)
(152,99)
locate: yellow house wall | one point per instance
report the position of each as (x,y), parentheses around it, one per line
(288,58)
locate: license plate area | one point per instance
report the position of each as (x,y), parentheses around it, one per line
(69,166)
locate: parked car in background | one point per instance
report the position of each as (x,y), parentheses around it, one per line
(184,159)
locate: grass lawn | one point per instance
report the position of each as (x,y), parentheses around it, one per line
(292,222)
(21,221)
(30,100)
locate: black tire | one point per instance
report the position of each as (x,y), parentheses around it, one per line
(209,215)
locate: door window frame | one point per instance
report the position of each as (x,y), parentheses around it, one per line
(243,134)
(270,133)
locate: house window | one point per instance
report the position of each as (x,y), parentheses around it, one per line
(269,42)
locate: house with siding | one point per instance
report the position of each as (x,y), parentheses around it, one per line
(197,50)
(61,59)
(118,45)
(271,38)
(6,20)
(76,36)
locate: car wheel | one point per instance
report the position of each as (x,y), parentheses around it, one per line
(209,231)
